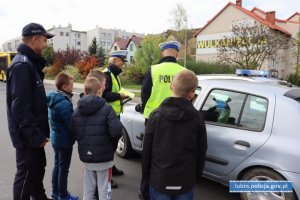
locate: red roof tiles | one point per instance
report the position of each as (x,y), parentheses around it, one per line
(254,16)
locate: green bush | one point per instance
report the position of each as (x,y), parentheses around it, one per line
(70,69)
(208,67)
(294,79)
(133,74)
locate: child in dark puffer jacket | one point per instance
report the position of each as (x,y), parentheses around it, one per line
(97,130)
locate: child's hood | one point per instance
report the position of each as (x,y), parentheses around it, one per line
(54,97)
(177,109)
(90,104)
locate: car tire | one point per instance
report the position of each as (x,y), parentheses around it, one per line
(124,149)
(263,174)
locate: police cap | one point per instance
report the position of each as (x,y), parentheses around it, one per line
(35,29)
(122,54)
(169,45)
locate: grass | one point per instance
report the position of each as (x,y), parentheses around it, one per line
(132,86)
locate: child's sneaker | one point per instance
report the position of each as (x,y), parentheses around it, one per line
(69,197)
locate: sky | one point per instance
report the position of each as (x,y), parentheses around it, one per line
(141,16)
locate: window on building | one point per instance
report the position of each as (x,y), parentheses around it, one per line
(108,36)
(78,43)
(67,34)
(109,43)
(102,35)
(131,60)
(9,46)
(131,47)
(115,48)
(102,44)
(61,33)
(78,35)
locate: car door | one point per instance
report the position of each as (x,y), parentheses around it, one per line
(237,123)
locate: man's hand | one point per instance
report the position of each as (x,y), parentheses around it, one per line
(123,96)
(44,143)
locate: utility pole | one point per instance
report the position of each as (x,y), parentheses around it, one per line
(185,42)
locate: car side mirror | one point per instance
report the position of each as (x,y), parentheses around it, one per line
(139,108)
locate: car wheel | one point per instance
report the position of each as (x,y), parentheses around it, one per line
(124,149)
(263,174)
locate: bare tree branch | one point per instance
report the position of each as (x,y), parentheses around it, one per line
(251,45)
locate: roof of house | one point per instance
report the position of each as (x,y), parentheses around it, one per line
(296,13)
(122,43)
(136,40)
(253,15)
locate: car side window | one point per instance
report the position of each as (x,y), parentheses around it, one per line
(254,113)
(222,106)
(197,93)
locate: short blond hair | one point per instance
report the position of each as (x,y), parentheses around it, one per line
(184,82)
(92,86)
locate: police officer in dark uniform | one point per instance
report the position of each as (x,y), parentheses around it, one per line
(27,113)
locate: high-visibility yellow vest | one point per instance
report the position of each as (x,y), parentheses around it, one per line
(116,105)
(162,76)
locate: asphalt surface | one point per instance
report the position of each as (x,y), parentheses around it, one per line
(128,183)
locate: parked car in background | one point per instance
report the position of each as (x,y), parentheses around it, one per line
(252,128)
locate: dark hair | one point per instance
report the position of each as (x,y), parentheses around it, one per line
(62,79)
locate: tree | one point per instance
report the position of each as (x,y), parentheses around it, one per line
(149,53)
(100,54)
(179,20)
(86,64)
(48,55)
(251,45)
(93,47)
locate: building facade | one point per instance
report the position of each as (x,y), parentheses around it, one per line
(106,37)
(66,37)
(219,27)
(133,44)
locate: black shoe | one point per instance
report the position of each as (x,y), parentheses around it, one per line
(116,172)
(113,184)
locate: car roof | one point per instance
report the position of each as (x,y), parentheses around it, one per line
(236,77)
(257,85)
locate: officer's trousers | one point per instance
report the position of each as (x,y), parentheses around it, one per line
(30,173)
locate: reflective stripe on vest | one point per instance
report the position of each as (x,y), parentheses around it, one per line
(162,76)
(115,88)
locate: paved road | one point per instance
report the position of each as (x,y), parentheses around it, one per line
(128,184)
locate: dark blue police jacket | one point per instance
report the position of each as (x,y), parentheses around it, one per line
(26,99)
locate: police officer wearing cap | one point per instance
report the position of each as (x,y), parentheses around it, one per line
(156,87)
(112,93)
(113,84)
(27,113)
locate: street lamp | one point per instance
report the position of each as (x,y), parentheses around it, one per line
(185,41)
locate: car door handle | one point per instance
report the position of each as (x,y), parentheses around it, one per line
(242,143)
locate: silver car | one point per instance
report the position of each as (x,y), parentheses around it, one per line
(253,130)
